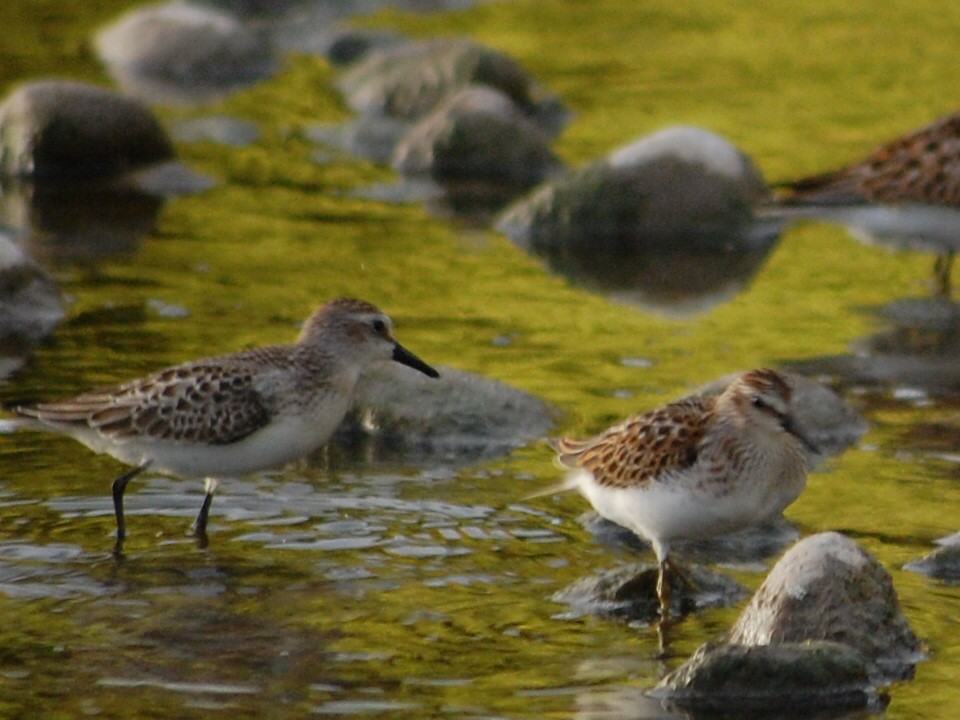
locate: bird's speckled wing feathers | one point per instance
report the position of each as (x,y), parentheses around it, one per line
(923,166)
(210,401)
(643,447)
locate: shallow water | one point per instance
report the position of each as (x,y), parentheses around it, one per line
(424,591)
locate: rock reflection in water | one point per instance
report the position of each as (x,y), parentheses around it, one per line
(914,357)
(674,278)
(70,222)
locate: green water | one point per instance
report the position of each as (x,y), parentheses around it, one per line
(426,593)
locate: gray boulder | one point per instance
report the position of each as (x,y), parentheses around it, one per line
(823,630)
(459,417)
(181,53)
(408,81)
(943,563)
(785,678)
(826,587)
(680,185)
(477,134)
(55,130)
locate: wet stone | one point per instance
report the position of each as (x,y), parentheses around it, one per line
(679,185)
(458,417)
(54,130)
(630,593)
(828,588)
(410,80)
(779,678)
(943,563)
(477,134)
(182,53)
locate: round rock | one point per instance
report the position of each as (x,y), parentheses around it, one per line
(459,417)
(477,133)
(732,679)
(180,52)
(409,80)
(828,588)
(55,129)
(680,186)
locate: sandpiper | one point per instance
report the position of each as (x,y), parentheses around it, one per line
(232,414)
(694,468)
(904,194)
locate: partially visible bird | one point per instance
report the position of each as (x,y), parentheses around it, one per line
(233,414)
(904,194)
(694,468)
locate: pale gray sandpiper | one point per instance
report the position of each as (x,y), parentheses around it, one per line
(904,194)
(694,468)
(233,414)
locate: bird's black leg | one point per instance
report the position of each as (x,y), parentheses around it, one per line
(200,526)
(119,486)
(941,273)
(663,590)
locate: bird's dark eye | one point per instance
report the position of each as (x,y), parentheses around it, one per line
(379,326)
(760,403)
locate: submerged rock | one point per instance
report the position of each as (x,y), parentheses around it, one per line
(178,52)
(408,81)
(30,306)
(822,631)
(402,416)
(55,130)
(630,593)
(477,134)
(943,563)
(788,677)
(680,185)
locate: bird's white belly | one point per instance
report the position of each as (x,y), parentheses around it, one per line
(670,510)
(287,438)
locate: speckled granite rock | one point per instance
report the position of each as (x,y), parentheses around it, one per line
(828,588)
(54,130)
(179,52)
(630,593)
(822,631)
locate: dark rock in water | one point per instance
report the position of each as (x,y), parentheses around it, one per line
(183,53)
(750,545)
(30,306)
(54,130)
(821,415)
(410,80)
(782,679)
(827,588)
(630,593)
(665,223)
(477,134)
(341,45)
(679,185)
(943,563)
(402,416)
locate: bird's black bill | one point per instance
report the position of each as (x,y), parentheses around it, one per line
(791,427)
(405,357)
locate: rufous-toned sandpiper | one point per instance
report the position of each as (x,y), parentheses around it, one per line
(904,194)
(694,468)
(233,414)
